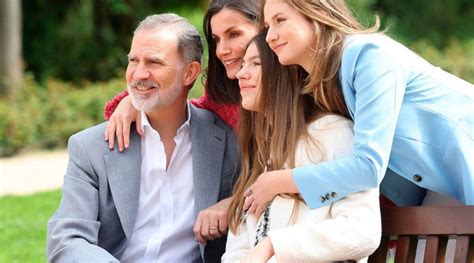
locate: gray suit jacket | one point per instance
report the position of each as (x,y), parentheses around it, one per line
(101,187)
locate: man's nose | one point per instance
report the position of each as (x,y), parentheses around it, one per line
(141,72)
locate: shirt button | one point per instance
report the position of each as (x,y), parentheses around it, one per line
(327,196)
(333,194)
(323,199)
(417,178)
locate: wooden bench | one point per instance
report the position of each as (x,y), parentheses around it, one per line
(436,224)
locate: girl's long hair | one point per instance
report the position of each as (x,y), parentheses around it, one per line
(332,20)
(219,87)
(268,138)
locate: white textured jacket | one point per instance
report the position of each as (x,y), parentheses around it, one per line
(349,228)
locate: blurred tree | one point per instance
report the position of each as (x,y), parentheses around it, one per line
(436,21)
(363,9)
(85,39)
(10,45)
(204,4)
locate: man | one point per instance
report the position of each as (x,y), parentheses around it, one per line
(140,205)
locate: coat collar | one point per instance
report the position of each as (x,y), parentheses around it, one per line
(208,147)
(123,173)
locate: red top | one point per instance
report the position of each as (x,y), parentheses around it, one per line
(229,113)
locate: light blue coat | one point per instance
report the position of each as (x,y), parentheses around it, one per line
(409,116)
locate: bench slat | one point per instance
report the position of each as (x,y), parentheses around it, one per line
(436,223)
(462,246)
(435,249)
(406,249)
(428,220)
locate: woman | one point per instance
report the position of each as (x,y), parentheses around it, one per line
(409,116)
(228,26)
(279,127)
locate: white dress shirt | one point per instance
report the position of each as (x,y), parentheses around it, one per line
(163,229)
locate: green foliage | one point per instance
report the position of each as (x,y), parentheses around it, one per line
(363,11)
(87,39)
(456,57)
(23,226)
(436,21)
(45,117)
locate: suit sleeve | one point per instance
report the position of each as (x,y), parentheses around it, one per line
(373,74)
(353,228)
(73,230)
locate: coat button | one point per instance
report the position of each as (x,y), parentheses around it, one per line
(333,194)
(417,178)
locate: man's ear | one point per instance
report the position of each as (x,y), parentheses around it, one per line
(192,71)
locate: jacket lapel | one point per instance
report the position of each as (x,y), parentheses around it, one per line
(208,148)
(123,172)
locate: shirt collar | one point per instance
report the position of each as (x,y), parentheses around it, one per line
(185,126)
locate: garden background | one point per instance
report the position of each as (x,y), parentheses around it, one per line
(73,59)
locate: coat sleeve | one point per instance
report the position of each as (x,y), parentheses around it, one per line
(72,234)
(352,232)
(237,246)
(353,228)
(111,105)
(374,76)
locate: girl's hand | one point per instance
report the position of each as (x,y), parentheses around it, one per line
(120,122)
(261,253)
(265,188)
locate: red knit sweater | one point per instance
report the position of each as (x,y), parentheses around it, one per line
(229,113)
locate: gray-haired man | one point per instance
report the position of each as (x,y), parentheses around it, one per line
(140,205)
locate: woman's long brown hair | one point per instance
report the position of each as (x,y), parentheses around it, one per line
(268,138)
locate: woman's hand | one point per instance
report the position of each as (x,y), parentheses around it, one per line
(120,122)
(261,253)
(265,188)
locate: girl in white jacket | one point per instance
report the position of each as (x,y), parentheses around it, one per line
(281,128)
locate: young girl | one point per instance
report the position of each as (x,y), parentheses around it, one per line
(282,128)
(409,116)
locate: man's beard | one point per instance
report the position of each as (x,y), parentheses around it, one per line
(158,98)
